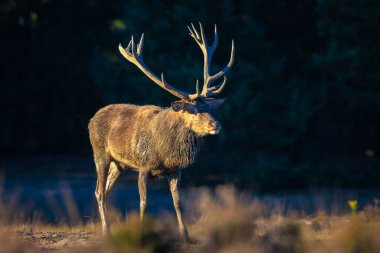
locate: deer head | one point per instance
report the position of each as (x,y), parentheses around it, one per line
(194,109)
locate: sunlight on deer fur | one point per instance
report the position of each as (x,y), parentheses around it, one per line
(220,220)
(156,141)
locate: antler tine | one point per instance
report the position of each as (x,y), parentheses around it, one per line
(134,55)
(228,67)
(215,43)
(125,52)
(197,87)
(133,47)
(129,46)
(217,88)
(195,32)
(190,31)
(140,46)
(203,37)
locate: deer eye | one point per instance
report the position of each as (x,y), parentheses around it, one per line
(177,106)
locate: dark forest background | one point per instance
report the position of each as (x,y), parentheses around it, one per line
(303,96)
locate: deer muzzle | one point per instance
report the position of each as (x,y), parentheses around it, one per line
(214,127)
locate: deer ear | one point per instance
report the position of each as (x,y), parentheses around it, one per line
(215,103)
(177,106)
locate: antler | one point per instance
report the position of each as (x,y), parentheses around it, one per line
(208,51)
(134,55)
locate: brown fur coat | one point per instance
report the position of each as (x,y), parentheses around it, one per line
(143,138)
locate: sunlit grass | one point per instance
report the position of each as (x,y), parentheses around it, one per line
(223,220)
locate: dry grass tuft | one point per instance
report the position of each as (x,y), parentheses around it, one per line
(224,220)
(136,236)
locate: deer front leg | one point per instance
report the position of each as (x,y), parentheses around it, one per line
(143,178)
(174,183)
(100,192)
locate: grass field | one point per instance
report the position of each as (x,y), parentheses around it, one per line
(223,220)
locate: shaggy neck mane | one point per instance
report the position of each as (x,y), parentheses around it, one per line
(176,143)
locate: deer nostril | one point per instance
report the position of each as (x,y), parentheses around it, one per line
(214,124)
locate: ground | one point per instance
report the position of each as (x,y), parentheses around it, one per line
(223,220)
(57,240)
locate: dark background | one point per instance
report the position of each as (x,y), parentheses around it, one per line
(303,96)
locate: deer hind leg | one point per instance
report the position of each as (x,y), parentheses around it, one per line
(102,168)
(143,178)
(113,175)
(174,183)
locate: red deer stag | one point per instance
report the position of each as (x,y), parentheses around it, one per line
(156,142)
